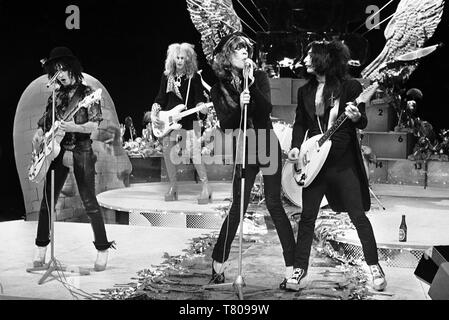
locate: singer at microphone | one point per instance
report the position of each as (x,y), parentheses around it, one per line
(53,79)
(248,72)
(232,64)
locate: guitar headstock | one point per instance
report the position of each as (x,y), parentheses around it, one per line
(92,98)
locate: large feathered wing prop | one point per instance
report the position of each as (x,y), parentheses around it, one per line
(412,24)
(213,19)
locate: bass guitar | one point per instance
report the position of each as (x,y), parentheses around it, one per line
(169,119)
(48,149)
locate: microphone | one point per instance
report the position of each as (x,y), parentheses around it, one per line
(247,67)
(248,63)
(53,79)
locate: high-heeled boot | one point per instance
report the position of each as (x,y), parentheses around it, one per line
(39,256)
(102,260)
(102,257)
(172,193)
(206,191)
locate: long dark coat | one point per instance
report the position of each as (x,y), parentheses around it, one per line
(305,117)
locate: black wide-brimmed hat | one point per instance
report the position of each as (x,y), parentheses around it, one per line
(225,40)
(58,53)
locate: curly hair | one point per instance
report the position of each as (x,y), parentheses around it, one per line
(329,58)
(191,62)
(222,61)
(72,65)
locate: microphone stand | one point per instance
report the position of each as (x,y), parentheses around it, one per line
(52,264)
(239,282)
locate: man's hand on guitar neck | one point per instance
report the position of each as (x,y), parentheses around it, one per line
(352,112)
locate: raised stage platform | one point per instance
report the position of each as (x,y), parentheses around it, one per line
(144,202)
(426,210)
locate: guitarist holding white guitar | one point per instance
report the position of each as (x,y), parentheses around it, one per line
(327,154)
(77,113)
(180,98)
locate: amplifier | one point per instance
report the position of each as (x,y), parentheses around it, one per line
(439,290)
(428,268)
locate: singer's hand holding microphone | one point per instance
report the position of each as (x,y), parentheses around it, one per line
(248,77)
(248,70)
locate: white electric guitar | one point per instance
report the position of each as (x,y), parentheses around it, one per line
(314,151)
(169,119)
(47,151)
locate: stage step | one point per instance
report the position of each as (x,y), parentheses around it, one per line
(408,172)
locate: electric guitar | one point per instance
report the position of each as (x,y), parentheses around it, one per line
(314,151)
(48,149)
(169,119)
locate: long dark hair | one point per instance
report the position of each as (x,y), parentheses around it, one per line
(329,58)
(72,65)
(222,61)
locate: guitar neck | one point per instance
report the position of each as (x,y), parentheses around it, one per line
(340,120)
(72,112)
(85,103)
(362,98)
(193,110)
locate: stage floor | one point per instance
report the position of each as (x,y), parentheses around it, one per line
(140,247)
(137,248)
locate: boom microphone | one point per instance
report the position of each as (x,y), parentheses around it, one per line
(53,79)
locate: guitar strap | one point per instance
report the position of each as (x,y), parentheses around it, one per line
(188,91)
(333,113)
(187,98)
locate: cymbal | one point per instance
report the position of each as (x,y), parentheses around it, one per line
(419,53)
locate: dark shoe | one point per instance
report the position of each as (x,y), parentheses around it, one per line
(172,193)
(293,282)
(379,281)
(217,278)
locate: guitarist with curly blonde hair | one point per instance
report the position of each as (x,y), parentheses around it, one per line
(180,90)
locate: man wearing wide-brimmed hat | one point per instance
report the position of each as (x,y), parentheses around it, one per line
(64,67)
